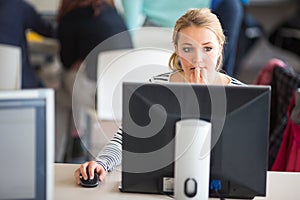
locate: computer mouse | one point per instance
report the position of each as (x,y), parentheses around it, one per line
(90,182)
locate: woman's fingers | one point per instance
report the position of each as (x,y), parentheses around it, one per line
(101,172)
(198,75)
(77,176)
(83,170)
(87,170)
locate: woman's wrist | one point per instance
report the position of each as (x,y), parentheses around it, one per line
(103,164)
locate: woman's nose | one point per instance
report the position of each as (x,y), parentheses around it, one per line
(198,57)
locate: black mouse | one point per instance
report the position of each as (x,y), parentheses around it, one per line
(89,182)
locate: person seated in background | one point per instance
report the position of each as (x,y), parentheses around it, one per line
(198,40)
(139,13)
(230,13)
(160,13)
(82,26)
(16,17)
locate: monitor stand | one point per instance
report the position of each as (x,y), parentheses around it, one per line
(192,159)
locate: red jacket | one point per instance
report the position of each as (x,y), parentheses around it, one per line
(288,157)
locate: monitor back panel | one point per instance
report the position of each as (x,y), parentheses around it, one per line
(239,139)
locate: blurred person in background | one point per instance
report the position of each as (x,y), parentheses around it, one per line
(82,26)
(230,14)
(16,18)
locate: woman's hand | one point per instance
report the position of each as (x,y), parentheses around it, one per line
(202,75)
(91,168)
(198,75)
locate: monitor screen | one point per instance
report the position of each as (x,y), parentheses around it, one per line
(26,145)
(240,123)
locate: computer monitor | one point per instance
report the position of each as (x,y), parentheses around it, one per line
(27,144)
(240,126)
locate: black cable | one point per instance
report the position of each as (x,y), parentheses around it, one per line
(169,195)
(219,195)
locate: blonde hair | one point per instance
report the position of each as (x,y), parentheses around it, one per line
(202,17)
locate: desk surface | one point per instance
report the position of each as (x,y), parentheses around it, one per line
(280,185)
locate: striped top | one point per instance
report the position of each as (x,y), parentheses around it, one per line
(111,155)
(163,78)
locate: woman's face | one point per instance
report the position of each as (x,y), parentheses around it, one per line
(198,49)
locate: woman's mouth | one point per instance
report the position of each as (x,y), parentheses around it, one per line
(193,68)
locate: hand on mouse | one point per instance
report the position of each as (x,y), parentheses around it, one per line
(90,167)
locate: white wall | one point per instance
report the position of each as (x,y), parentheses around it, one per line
(45,5)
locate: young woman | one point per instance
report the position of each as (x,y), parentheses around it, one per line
(198,39)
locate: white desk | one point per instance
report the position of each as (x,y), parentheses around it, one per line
(280,186)
(66,188)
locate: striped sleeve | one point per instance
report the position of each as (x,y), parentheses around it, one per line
(111,155)
(234,81)
(162,78)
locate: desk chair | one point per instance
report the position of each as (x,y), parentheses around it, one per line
(10,67)
(115,67)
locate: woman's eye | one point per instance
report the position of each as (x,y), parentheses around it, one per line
(207,49)
(187,49)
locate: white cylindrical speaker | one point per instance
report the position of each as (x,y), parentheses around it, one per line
(192,164)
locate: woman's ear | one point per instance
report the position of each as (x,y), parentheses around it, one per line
(176,49)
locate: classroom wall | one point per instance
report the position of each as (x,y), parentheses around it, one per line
(45,5)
